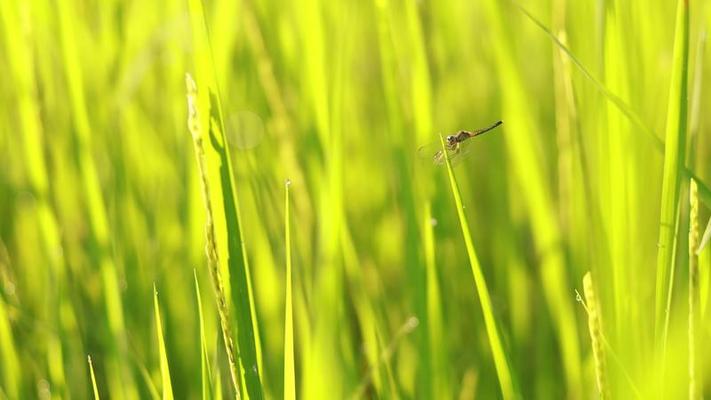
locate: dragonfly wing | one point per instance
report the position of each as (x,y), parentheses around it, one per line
(463,152)
(432,152)
(428,151)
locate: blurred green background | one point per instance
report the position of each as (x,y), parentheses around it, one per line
(100,196)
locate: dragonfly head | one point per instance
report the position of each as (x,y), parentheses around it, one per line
(451,140)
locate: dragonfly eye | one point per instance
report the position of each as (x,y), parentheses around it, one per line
(451,139)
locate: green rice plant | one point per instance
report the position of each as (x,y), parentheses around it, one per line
(211,245)
(289,372)
(228,235)
(502,367)
(167,386)
(100,197)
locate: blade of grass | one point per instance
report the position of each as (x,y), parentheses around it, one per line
(167,386)
(93,378)
(674,153)
(205,373)
(227,224)
(289,372)
(500,361)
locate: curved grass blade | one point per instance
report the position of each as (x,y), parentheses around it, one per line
(164,368)
(497,350)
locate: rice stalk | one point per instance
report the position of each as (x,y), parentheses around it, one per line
(693,287)
(226,220)
(596,335)
(211,244)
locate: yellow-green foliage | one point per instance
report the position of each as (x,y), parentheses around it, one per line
(361,287)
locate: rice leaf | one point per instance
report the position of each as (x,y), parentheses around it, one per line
(163,355)
(289,372)
(500,361)
(93,379)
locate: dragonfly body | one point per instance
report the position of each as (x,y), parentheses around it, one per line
(455,145)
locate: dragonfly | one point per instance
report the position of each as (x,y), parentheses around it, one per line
(458,146)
